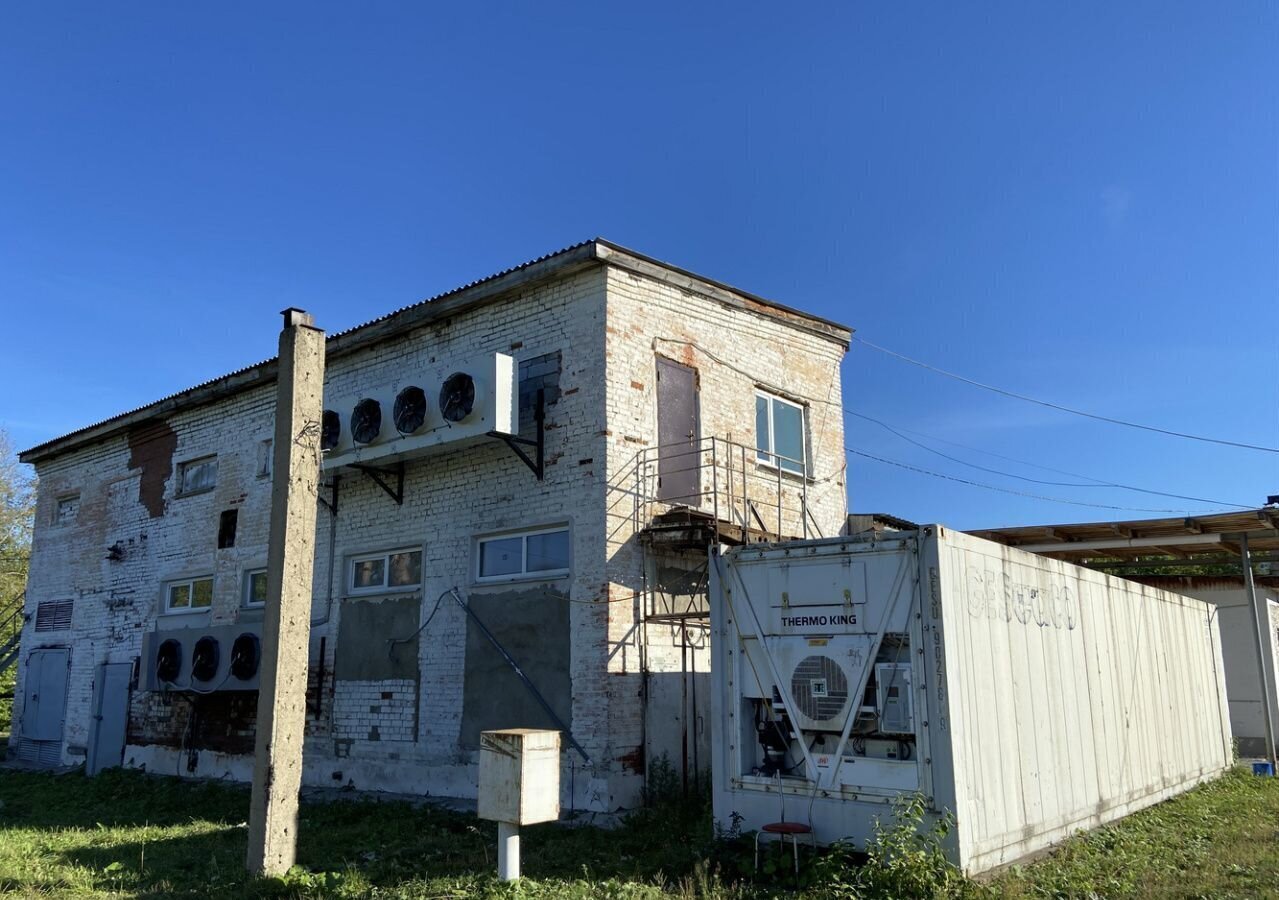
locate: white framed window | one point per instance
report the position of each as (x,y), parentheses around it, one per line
(779,433)
(188,595)
(392,570)
(535,553)
(67,509)
(255,588)
(197,475)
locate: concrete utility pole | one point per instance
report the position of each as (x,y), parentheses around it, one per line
(1261,630)
(286,631)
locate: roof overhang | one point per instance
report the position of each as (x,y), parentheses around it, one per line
(1217,537)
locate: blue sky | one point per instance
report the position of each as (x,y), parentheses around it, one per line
(1074,201)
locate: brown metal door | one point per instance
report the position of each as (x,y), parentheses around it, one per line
(678,476)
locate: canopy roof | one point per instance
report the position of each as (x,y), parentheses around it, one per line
(1210,538)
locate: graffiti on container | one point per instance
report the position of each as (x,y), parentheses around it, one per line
(992,594)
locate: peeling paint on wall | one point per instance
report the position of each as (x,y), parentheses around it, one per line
(151,447)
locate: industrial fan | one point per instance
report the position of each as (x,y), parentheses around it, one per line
(410,409)
(366,421)
(457,397)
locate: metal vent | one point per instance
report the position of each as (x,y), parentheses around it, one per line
(46,754)
(54,615)
(819,687)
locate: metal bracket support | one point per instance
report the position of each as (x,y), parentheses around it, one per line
(379,477)
(537,462)
(331,505)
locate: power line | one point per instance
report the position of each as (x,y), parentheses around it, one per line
(1002,490)
(1097,482)
(1059,407)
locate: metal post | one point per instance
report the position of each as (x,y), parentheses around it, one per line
(508,851)
(778,460)
(1261,628)
(803,496)
(715,484)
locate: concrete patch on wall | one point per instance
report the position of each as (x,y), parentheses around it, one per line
(533,626)
(151,446)
(377,639)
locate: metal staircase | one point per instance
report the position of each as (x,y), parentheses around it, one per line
(11,635)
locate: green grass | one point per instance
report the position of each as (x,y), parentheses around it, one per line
(127,834)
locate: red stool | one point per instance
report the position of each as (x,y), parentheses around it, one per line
(784,830)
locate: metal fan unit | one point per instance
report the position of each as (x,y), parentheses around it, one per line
(819,689)
(330,429)
(168,661)
(457,397)
(434,407)
(366,421)
(410,409)
(204,659)
(246,655)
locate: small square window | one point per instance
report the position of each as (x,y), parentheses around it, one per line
(68,509)
(395,570)
(537,553)
(779,434)
(188,595)
(255,588)
(197,476)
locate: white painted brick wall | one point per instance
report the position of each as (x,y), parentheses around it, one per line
(593,431)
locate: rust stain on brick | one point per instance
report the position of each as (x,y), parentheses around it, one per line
(151,446)
(638,385)
(633,761)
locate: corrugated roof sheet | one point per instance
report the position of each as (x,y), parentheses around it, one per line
(264,371)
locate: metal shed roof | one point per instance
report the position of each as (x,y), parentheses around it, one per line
(1206,538)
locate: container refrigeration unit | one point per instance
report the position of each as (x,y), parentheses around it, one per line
(1026,696)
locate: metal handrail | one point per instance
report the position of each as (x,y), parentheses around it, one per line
(734,481)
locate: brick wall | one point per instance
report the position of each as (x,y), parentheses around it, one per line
(587,340)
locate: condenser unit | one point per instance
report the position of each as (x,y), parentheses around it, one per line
(442,406)
(202,659)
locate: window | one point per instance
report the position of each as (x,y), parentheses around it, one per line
(197,476)
(529,554)
(68,509)
(779,433)
(188,595)
(255,587)
(395,570)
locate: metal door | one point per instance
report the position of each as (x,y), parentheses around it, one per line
(678,475)
(44,706)
(110,716)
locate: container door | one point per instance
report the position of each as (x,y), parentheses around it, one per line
(44,707)
(678,474)
(110,715)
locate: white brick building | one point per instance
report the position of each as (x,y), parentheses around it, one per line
(156,521)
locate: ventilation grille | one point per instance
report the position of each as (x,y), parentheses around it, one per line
(47,754)
(819,687)
(54,615)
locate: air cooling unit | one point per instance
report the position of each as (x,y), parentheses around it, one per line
(440,407)
(202,659)
(820,687)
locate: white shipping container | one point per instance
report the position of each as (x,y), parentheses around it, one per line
(1028,697)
